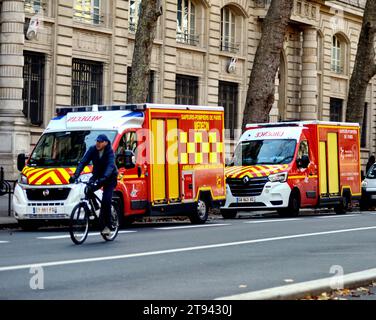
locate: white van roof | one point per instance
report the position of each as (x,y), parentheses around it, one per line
(302,123)
(110,117)
(97,120)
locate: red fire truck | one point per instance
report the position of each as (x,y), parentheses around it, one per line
(170,160)
(292,165)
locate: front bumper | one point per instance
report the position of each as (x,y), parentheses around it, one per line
(369,195)
(274,195)
(25,209)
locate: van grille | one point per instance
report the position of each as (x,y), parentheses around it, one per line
(47,194)
(252,188)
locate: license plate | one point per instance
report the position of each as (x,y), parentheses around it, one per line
(246,199)
(44,210)
(373,196)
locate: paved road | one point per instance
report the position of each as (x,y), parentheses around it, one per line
(182,261)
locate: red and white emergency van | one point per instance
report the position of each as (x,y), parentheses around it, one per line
(291,165)
(170,160)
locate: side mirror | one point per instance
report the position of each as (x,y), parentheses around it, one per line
(129,158)
(126,160)
(303,162)
(21,159)
(229,162)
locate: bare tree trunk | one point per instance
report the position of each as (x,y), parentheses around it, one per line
(260,95)
(365,67)
(146,29)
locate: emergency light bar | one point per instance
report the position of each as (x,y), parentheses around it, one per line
(63,110)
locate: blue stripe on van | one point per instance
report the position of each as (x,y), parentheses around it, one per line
(58,118)
(135,114)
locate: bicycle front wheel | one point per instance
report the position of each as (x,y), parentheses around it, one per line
(115,223)
(79,224)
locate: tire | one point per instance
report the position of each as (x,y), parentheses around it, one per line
(344,206)
(229,214)
(79,224)
(201,212)
(293,207)
(120,211)
(364,204)
(115,223)
(28,225)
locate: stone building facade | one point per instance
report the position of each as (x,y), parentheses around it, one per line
(81,52)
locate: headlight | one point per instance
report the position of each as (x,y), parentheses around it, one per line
(278,177)
(364,184)
(85,177)
(22,179)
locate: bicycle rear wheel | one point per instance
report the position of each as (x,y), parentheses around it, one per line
(115,223)
(79,224)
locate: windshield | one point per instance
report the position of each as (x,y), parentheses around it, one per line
(273,151)
(65,148)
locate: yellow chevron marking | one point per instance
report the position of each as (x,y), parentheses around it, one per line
(51,175)
(255,171)
(230,170)
(27,170)
(64,173)
(38,175)
(87,169)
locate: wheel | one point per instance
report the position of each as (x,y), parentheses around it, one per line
(364,204)
(123,221)
(344,206)
(28,225)
(229,214)
(293,207)
(79,224)
(201,213)
(115,223)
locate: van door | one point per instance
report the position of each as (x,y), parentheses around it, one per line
(328,164)
(333,163)
(308,181)
(134,179)
(172,161)
(158,154)
(165,166)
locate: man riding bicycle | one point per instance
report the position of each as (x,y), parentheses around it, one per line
(104,175)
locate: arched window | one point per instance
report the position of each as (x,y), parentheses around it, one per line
(337,62)
(231,28)
(134,12)
(228,30)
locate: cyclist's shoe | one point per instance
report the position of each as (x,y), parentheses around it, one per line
(106,231)
(114,226)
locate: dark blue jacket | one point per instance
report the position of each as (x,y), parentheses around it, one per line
(104,168)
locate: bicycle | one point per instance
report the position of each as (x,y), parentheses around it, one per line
(84,212)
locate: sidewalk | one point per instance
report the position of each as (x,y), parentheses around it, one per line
(6,221)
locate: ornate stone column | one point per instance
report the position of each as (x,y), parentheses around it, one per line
(14,139)
(309,108)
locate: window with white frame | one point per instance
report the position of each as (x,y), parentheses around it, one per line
(186,22)
(87,11)
(134,13)
(228,30)
(337,55)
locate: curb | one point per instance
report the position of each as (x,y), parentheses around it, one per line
(303,289)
